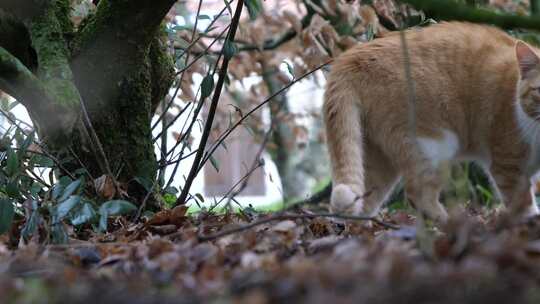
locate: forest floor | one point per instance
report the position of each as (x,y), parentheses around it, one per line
(281,258)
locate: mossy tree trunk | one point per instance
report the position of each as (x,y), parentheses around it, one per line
(91,91)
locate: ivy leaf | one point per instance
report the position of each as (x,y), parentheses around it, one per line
(7,212)
(207,86)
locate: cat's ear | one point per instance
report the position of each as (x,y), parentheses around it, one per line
(527,58)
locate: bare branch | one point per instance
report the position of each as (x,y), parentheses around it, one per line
(452,10)
(285,216)
(225,134)
(213,107)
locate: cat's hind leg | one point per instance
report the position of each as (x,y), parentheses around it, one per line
(420,162)
(380,178)
(423,184)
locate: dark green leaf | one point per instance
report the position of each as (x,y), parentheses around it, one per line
(210,29)
(35,189)
(214,163)
(199,197)
(207,86)
(117,207)
(171,190)
(145,182)
(204,17)
(12,189)
(25,144)
(59,234)
(65,180)
(42,161)
(72,187)
(12,166)
(182,27)
(254,8)
(290,69)
(103,222)
(228,5)
(83,215)
(57,189)
(7,212)
(62,209)
(229,49)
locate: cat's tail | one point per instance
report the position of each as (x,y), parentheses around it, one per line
(345,144)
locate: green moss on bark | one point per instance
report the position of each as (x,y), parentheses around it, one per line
(47,34)
(162,69)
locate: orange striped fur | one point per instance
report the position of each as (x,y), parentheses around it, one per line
(477,98)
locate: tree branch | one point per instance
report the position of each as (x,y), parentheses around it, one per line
(451,10)
(213,107)
(20,83)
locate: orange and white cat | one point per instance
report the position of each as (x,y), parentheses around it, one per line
(476,96)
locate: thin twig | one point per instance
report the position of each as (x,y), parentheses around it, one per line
(226,133)
(95,138)
(213,107)
(257,163)
(284,217)
(181,72)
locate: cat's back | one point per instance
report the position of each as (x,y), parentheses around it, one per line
(448,45)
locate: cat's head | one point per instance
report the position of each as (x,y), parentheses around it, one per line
(528,90)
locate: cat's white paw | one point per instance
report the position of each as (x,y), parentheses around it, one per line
(343,199)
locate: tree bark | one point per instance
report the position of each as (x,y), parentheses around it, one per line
(115,66)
